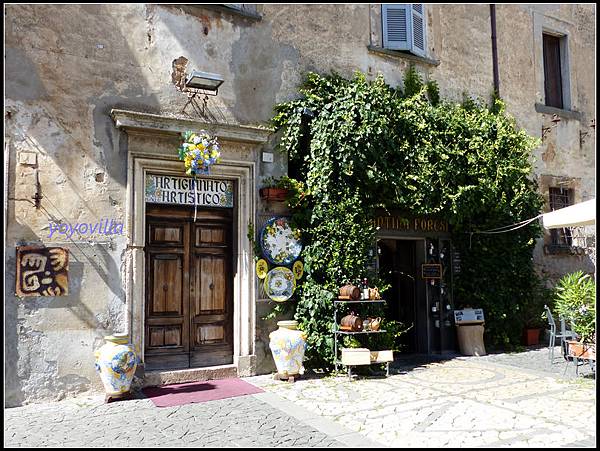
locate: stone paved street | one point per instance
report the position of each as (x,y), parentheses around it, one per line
(244,421)
(493,401)
(499,400)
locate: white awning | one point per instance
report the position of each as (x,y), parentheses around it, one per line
(581,214)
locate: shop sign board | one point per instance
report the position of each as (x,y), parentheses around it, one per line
(468,315)
(431,271)
(174,190)
(42,271)
(416,225)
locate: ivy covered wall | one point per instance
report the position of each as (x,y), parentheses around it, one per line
(360,145)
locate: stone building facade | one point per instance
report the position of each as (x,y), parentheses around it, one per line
(92,105)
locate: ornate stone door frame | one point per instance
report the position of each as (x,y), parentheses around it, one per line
(143,159)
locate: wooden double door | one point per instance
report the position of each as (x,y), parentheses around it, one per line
(189,297)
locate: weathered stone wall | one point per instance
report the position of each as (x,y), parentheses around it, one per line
(67,66)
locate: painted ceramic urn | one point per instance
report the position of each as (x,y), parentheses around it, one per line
(116,362)
(287,346)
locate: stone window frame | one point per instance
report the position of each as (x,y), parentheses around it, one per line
(546,182)
(561,236)
(546,25)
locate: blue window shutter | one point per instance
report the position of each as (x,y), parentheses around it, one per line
(397,29)
(419,36)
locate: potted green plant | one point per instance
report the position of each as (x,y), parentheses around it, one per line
(575,301)
(281,189)
(533,314)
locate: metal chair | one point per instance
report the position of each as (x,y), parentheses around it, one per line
(564,334)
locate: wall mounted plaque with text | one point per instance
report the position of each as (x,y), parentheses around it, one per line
(431,271)
(42,271)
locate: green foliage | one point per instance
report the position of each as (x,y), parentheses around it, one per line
(531,310)
(373,146)
(575,300)
(279,309)
(296,189)
(255,244)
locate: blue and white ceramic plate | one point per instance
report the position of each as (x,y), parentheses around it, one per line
(280,244)
(280,284)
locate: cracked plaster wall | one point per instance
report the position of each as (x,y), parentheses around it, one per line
(67,66)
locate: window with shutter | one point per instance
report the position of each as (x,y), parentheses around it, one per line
(404,27)
(552,71)
(396,27)
(418,27)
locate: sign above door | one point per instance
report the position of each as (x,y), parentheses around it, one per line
(174,190)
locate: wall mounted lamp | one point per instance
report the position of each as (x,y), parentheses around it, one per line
(545,130)
(198,82)
(582,134)
(204,81)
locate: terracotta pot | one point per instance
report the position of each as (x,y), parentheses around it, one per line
(116,362)
(287,346)
(276,194)
(581,350)
(531,337)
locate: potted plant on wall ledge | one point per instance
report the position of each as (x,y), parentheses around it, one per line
(575,297)
(281,189)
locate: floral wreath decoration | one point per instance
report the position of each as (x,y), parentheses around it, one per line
(198,151)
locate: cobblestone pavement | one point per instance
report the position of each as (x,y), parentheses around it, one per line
(496,401)
(244,421)
(538,359)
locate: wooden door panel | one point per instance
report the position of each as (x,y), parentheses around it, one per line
(210,236)
(189,297)
(165,336)
(168,234)
(166,296)
(210,294)
(213,333)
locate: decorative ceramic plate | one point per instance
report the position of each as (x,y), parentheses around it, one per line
(262,267)
(298,269)
(280,244)
(280,284)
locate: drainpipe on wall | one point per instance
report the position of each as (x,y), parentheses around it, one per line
(494,50)
(6,185)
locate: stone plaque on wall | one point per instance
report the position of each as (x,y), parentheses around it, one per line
(42,271)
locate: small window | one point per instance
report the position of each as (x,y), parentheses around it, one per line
(404,28)
(561,198)
(553,80)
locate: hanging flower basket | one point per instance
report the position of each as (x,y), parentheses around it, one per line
(199,151)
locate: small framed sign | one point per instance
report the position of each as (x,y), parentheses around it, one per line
(42,271)
(431,271)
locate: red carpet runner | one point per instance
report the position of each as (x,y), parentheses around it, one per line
(179,394)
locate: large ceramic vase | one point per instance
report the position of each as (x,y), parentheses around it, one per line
(116,362)
(287,346)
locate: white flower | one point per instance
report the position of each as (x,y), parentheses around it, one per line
(197,139)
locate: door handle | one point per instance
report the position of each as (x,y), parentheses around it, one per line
(211,286)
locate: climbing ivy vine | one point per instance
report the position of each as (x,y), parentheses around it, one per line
(371,146)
